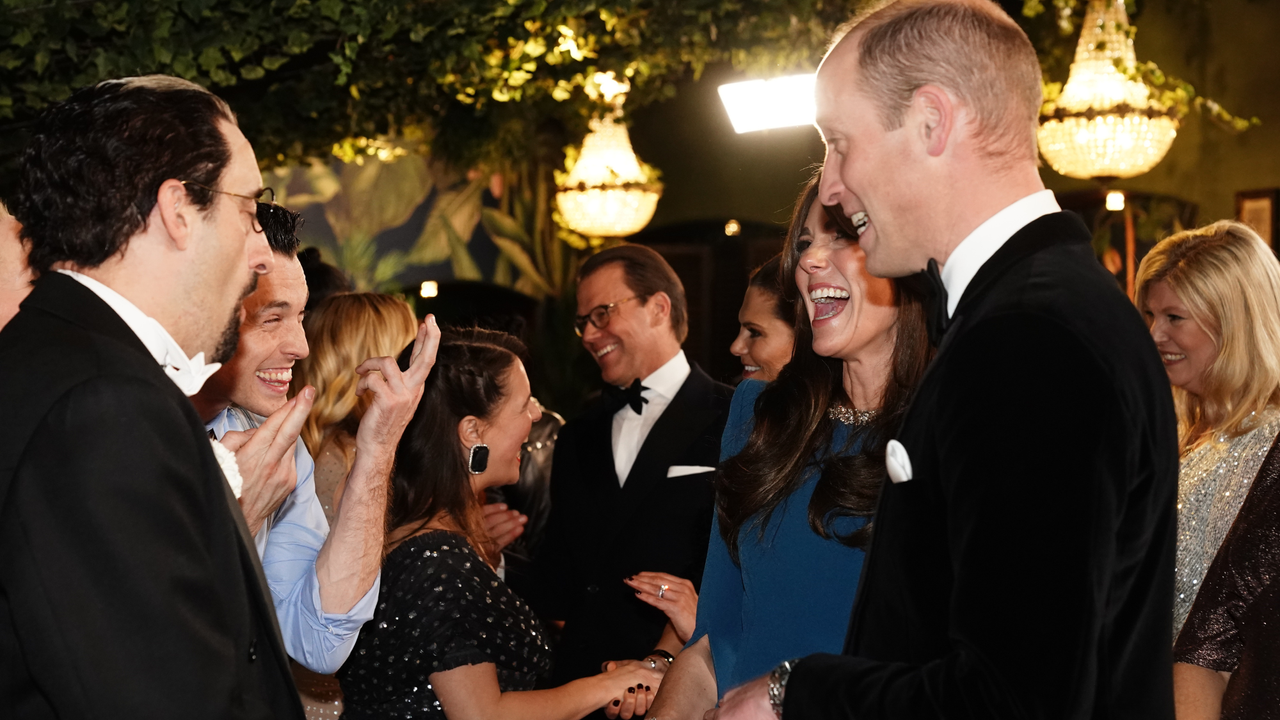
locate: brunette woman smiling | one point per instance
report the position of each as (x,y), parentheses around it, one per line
(805,462)
(765,337)
(449,639)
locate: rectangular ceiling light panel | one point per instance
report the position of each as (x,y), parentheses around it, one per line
(765,104)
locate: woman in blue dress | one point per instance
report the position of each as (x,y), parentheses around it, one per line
(803,460)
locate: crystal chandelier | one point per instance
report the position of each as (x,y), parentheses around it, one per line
(1104,124)
(608,193)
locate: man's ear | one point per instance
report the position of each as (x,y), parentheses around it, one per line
(659,308)
(934,115)
(469,430)
(177,212)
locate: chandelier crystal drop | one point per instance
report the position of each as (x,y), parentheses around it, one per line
(1104,124)
(608,192)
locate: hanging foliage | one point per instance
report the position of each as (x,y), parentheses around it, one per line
(303,75)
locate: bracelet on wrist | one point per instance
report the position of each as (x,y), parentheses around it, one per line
(778,685)
(664,655)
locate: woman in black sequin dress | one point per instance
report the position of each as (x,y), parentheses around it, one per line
(449,639)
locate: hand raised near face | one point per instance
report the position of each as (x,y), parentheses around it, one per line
(265,456)
(395,393)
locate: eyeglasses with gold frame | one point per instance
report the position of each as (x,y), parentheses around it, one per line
(261,207)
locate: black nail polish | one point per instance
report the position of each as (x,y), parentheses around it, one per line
(639,685)
(616,703)
(646,688)
(631,690)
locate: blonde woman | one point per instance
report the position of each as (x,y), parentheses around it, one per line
(1211,297)
(341,332)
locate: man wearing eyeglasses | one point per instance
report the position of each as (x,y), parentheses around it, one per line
(129,585)
(631,478)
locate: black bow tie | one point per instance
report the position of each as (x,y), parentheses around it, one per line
(935,303)
(622,397)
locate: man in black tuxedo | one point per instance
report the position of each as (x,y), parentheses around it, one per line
(1022,561)
(129,585)
(630,479)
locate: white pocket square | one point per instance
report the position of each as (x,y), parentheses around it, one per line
(682,470)
(897,462)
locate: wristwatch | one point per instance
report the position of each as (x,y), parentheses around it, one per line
(778,685)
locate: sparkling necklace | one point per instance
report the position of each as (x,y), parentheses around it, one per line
(851,416)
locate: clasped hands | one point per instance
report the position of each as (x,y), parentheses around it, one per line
(637,682)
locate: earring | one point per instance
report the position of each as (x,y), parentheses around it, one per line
(478,460)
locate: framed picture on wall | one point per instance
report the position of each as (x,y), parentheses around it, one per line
(1257,209)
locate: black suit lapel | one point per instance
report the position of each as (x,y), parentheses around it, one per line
(69,299)
(685,417)
(1043,232)
(1037,235)
(249,556)
(597,450)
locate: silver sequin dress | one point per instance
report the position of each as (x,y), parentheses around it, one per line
(1212,483)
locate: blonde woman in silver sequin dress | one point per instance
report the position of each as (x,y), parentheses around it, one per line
(1211,297)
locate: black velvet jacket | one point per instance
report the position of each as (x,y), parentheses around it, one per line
(129,586)
(600,533)
(1026,568)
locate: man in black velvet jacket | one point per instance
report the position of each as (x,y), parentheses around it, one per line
(1022,561)
(129,584)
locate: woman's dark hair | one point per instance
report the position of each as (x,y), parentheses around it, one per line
(768,277)
(323,279)
(792,425)
(90,175)
(430,476)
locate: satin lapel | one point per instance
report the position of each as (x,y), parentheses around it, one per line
(680,424)
(249,554)
(597,451)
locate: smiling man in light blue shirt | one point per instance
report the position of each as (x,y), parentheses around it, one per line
(324,584)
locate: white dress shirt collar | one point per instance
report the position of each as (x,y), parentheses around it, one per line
(630,428)
(189,374)
(667,379)
(975,250)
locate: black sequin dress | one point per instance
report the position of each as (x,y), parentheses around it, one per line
(1234,625)
(440,607)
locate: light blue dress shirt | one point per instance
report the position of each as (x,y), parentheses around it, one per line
(288,544)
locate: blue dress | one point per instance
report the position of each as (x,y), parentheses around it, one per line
(794,590)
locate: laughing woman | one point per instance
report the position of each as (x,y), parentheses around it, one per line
(805,462)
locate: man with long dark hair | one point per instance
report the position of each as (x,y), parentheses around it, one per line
(129,585)
(1022,560)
